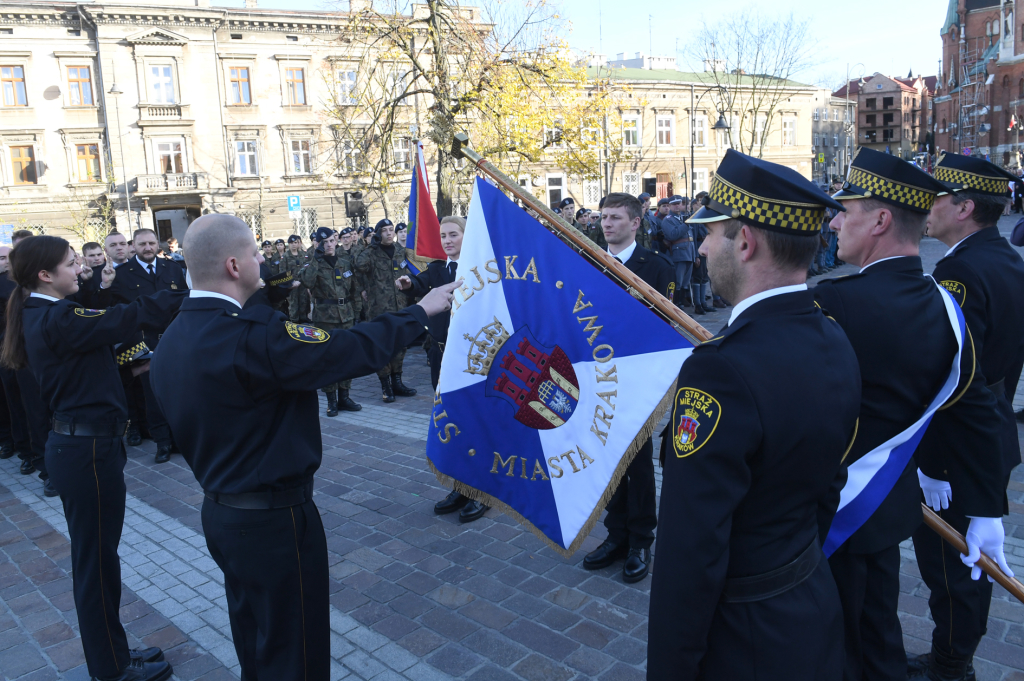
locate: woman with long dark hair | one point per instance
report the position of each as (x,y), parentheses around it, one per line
(70,351)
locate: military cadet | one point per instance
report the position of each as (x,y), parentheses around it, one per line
(986,277)
(381,263)
(294,260)
(741,589)
(887,202)
(679,238)
(699,278)
(69,349)
(330,279)
(401,233)
(632,513)
(567,209)
(246,416)
(276,261)
(268,251)
(645,233)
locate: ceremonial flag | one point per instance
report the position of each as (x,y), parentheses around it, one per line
(871,477)
(553,376)
(424,234)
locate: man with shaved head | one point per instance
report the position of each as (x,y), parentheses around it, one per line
(239,390)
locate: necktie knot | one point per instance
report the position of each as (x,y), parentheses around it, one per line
(452,266)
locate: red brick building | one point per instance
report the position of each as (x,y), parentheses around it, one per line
(980,93)
(893,114)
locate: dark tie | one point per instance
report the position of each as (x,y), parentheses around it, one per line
(452,266)
(617,258)
(152,271)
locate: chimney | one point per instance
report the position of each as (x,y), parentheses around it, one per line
(250,4)
(355,6)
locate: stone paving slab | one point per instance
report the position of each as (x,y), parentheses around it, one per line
(413,595)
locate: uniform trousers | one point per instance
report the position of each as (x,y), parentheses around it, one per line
(869,589)
(37,417)
(346,384)
(795,635)
(394,366)
(632,510)
(19,424)
(276,582)
(684,272)
(434,356)
(89,475)
(959,605)
(155,421)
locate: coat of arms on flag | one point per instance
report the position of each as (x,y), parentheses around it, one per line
(553,376)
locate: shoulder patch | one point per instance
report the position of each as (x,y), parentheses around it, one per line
(956,289)
(85,312)
(695,416)
(306,334)
(670,294)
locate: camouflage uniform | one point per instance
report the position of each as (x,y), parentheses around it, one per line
(379,273)
(298,299)
(643,234)
(329,285)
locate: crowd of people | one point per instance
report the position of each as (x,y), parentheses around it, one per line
(750,581)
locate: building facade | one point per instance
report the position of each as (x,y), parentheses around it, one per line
(833,135)
(894,115)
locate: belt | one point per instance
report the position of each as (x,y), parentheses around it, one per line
(682,241)
(90,429)
(263,501)
(778,581)
(331,301)
(999,387)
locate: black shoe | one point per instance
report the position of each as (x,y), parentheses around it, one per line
(48,489)
(472,511)
(385,386)
(26,467)
(638,564)
(698,310)
(142,671)
(151,654)
(604,555)
(6,451)
(163,453)
(134,439)
(332,403)
(925,668)
(346,403)
(452,502)
(708,309)
(401,389)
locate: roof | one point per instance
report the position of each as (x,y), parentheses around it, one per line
(952,17)
(665,75)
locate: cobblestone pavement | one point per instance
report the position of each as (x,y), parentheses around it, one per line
(413,595)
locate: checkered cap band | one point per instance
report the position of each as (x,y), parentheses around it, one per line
(282,278)
(126,356)
(902,194)
(796,217)
(987,185)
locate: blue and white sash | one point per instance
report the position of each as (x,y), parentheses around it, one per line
(872,477)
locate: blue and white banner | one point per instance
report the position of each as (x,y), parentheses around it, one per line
(872,477)
(553,376)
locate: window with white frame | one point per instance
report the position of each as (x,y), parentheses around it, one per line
(835,114)
(590,138)
(835,140)
(245,158)
(396,85)
(79,86)
(591,192)
(700,127)
(789,132)
(350,156)
(346,84)
(728,139)
(816,139)
(631,132)
(700,180)
(631,183)
(402,147)
(302,157)
(759,131)
(161,84)
(554,136)
(816,113)
(169,155)
(666,128)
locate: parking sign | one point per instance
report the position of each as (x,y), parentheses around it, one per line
(294,207)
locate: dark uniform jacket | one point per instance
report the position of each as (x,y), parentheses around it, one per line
(70,351)
(757,433)
(905,348)
(245,413)
(653,268)
(986,276)
(269,294)
(679,237)
(436,274)
(132,281)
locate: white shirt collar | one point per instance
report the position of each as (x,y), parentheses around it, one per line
(43,296)
(763,295)
(950,251)
(195,293)
(625,254)
(145,266)
(449,261)
(891,257)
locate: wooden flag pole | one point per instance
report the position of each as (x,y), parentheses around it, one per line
(946,531)
(658,303)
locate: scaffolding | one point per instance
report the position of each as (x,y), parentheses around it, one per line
(971,91)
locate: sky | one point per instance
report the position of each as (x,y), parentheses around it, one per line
(886,36)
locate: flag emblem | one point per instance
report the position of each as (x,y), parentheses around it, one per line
(695,416)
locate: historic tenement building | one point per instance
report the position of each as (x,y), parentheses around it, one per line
(834,135)
(894,115)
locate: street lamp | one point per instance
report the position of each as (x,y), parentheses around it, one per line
(720,125)
(115,91)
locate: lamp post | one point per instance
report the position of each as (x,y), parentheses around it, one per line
(719,125)
(115,91)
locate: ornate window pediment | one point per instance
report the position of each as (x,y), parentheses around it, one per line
(157,36)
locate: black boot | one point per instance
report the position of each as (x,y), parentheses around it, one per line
(332,403)
(401,389)
(935,666)
(6,451)
(385,385)
(163,452)
(134,438)
(347,403)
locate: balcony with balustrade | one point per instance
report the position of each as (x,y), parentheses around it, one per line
(154,115)
(172,183)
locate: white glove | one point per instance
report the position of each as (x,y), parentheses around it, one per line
(985,534)
(937,493)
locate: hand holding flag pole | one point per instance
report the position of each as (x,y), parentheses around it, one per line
(659,304)
(944,530)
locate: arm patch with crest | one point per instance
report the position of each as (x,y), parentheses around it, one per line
(306,333)
(85,312)
(695,416)
(956,289)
